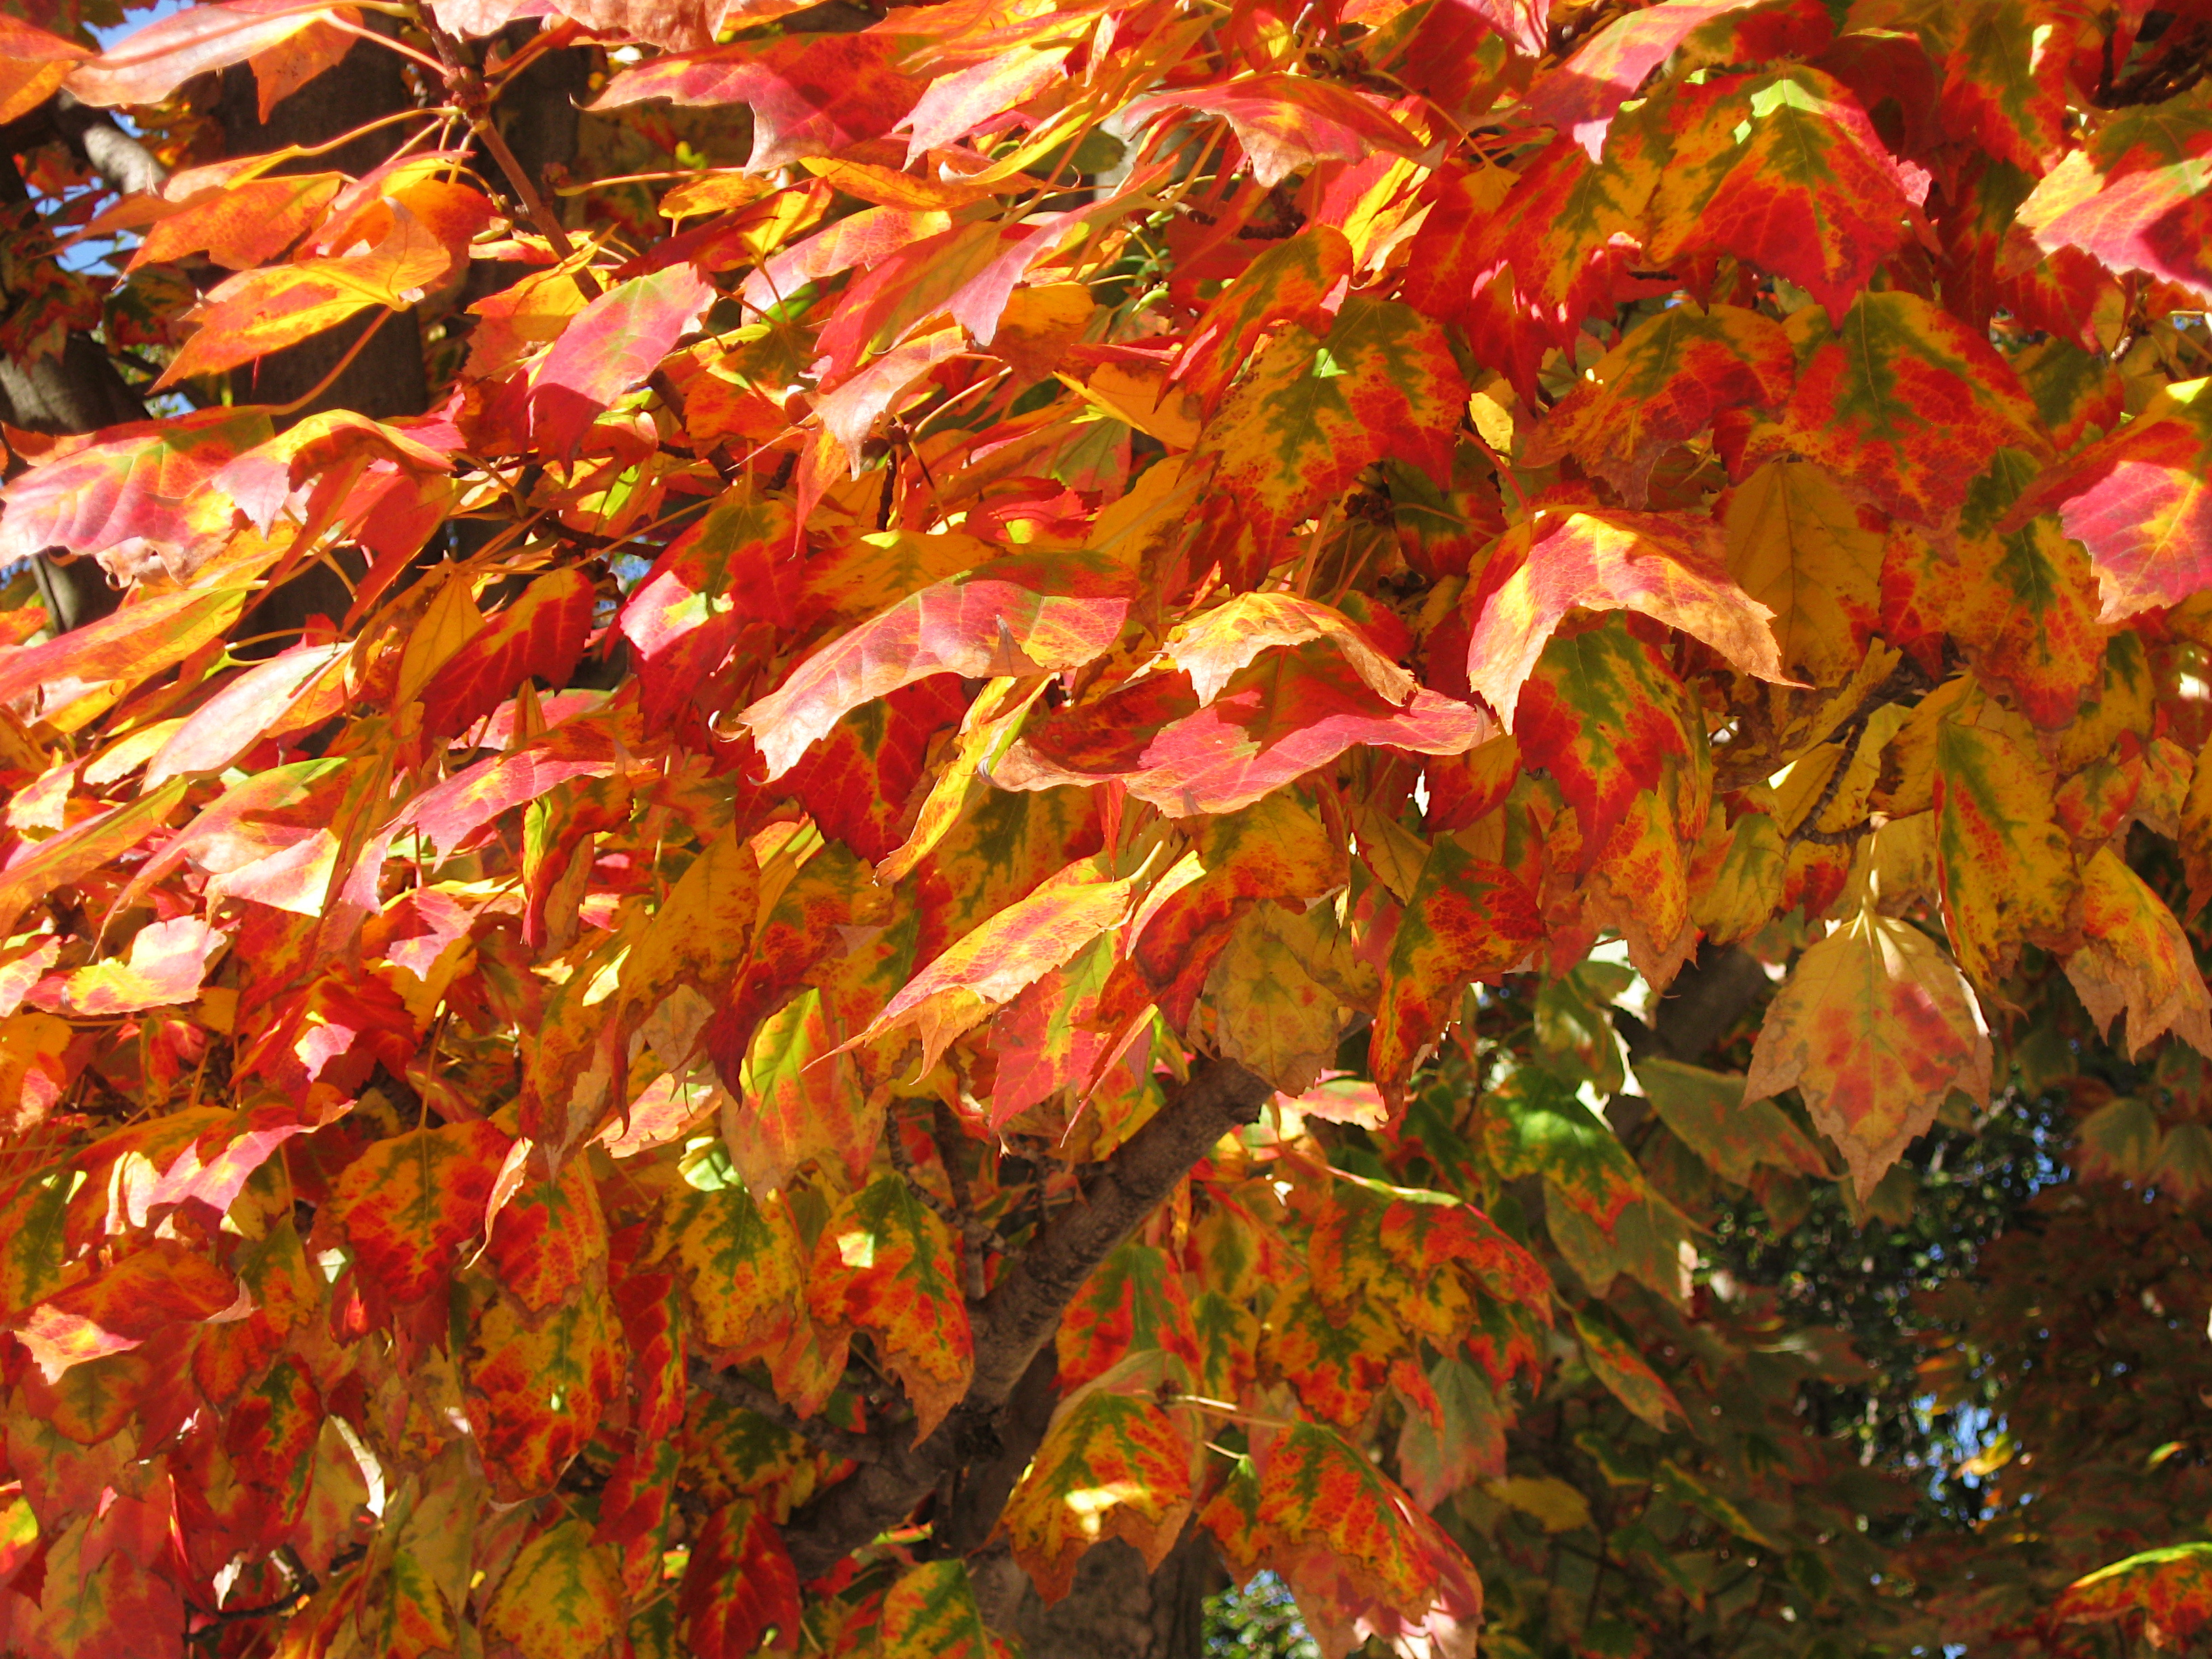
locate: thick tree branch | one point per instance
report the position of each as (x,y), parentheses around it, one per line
(1022,1310)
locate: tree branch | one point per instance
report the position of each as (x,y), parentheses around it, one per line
(1022,1310)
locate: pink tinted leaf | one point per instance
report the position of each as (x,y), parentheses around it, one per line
(131,485)
(167,962)
(612,345)
(810,95)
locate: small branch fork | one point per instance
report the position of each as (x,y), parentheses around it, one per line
(1013,1323)
(464,85)
(1848,734)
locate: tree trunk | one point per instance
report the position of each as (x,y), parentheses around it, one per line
(367,84)
(1116,1610)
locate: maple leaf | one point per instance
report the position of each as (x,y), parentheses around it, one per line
(2134,202)
(1111,1466)
(148,65)
(563,1595)
(1905,405)
(167,962)
(1464,919)
(887,1266)
(990,966)
(132,484)
(738,1586)
(35,63)
(2136,959)
(258,312)
(2135,500)
(1356,1553)
(809,96)
(1604,714)
(408,1203)
(1874,1027)
(1284,716)
(1286,122)
(990,622)
(1581,95)
(2006,873)
(2169,1586)
(1800,548)
(1311,413)
(1601,560)
(1665,382)
(1616,1363)
(1295,282)
(1787,173)
(611,345)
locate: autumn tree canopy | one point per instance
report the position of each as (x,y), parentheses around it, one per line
(822,822)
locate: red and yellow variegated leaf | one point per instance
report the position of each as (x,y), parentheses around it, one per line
(1558,230)
(741,1268)
(1335,1359)
(1812,558)
(562,1598)
(166,963)
(1602,559)
(2135,959)
(1112,1466)
(33,63)
(1361,1558)
(1213,646)
(1906,405)
(887,1266)
(1788,174)
(1017,616)
(2138,500)
(2025,606)
(1056,1035)
(115,1310)
(738,1586)
(2005,868)
(258,312)
(407,1204)
(614,344)
(1288,122)
(537,1390)
(541,634)
(1284,716)
(82,847)
(2143,209)
(1580,97)
(1274,849)
(550,1235)
(1605,714)
(1292,282)
(729,568)
(1465,920)
(858,781)
(1874,1027)
(1614,1361)
(1311,413)
(803,925)
(931,1613)
(1135,1302)
(1662,384)
(809,97)
(2170,1588)
(109,1586)
(1277,994)
(132,484)
(994,963)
